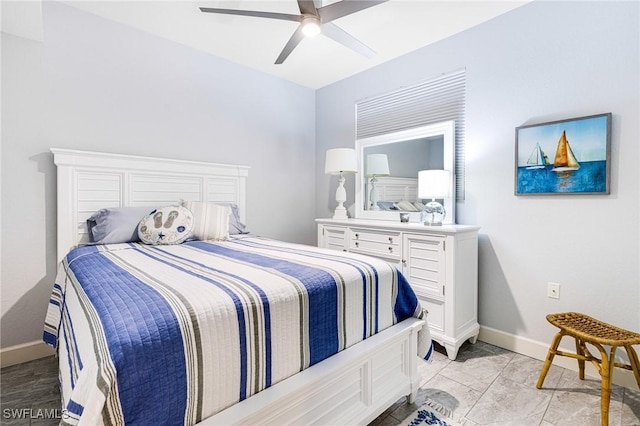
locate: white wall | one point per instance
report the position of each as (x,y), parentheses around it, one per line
(544,61)
(93,84)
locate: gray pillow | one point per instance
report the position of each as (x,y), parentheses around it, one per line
(116,225)
(235,226)
(387,205)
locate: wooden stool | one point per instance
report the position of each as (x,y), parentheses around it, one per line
(589,330)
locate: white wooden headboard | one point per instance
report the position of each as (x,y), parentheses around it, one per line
(89,181)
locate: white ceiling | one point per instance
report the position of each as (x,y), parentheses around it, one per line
(391,29)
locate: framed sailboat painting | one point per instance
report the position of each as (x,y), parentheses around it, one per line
(564,157)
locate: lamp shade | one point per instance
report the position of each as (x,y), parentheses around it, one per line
(377,165)
(340,160)
(434,184)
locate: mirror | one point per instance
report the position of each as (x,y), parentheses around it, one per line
(388,166)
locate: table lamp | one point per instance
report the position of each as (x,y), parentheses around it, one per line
(338,162)
(377,165)
(433,184)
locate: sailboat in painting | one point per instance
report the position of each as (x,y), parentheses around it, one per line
(538,159)
(565,160)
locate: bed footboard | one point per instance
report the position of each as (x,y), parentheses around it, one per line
(352,387)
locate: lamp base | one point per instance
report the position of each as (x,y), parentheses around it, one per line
(433,214)
(340,213)
(341,197)
(373,195)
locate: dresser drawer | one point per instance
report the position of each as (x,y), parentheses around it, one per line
(376,243)
(334,238)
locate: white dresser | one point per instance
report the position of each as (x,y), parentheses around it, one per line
(441,264)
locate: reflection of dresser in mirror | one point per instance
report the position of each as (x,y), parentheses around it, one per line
(440,263)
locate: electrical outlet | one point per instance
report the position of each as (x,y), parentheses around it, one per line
(553,290)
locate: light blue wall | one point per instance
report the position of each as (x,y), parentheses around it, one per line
(544,61)
(97,85)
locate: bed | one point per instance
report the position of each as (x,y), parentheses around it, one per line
(243,330)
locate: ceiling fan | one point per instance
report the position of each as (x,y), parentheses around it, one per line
(314,20)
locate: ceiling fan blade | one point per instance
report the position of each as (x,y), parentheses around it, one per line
(291,44)
(336,33)
(345,7)
(307,6)
(256,14)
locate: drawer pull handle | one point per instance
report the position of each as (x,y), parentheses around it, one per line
(404,261)
(356,236)
(390,249)
(357,244)
(391,240)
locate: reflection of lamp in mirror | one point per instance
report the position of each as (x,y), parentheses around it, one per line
(377,165)
(433,184)
(339,161)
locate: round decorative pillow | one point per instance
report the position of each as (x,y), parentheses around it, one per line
(166,225)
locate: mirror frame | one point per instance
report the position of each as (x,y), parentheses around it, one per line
(446,129)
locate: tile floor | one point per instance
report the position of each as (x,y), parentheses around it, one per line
(485,385)
(29,393)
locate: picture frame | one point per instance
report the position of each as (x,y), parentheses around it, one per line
(571,156)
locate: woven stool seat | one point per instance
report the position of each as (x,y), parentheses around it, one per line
(593,330)
(585,329)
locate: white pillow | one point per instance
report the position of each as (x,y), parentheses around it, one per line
(211,220)
(418,205)
(406,206)
(166,225)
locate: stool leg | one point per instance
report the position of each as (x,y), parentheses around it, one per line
(606,371)
(549,359)
(580,350)
(633,360)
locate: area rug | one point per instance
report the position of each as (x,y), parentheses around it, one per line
(433,413)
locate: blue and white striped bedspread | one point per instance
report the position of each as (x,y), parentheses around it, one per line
(175,334)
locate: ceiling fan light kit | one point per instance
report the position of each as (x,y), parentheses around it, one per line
(311,26)
(314,20)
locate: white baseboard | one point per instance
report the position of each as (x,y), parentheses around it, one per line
(538,350)
(25,352)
